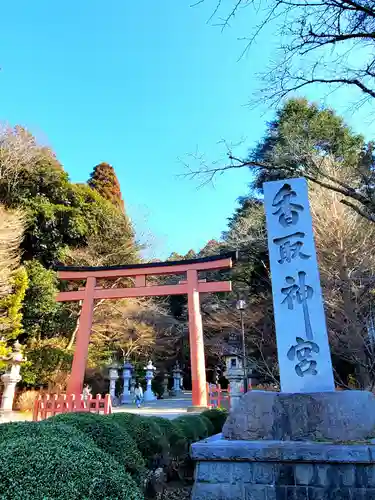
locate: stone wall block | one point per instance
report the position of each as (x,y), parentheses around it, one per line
(304,474)
(341,494)
(264,473)
(321,476)
(242,472)
(342,475)
(365,476)
(296,493)
(214,472)
(259,492)
(285,475)
(205,491)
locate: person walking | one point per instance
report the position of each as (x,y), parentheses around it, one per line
(138,393)
(86,393)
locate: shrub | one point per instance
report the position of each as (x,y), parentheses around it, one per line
(147,434)
(174,435)
(108,436)
(209,425)
(189,431)
(217,416)
(192,427)
(61,468)
(123,419)
(18,430)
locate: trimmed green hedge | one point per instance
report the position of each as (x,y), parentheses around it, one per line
(61,468)
(87,456)
(209,426)
(123,419)
(108,436)
(16,430)
(150,439)
(217,417)
(194,427)
(173,434)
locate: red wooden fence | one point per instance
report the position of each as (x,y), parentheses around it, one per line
(218,397)
(49,405)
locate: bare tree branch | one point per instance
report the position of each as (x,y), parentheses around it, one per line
(338,35)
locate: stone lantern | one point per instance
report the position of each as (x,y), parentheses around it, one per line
(165,385)
(234,369)
(11,378)
(113,377)
(150,370)
(127,397)
(132,387)
(177,378)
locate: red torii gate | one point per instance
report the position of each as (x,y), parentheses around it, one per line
(191,286)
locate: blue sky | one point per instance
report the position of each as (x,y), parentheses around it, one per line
(139,84)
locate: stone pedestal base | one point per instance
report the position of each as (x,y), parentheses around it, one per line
(127,399)
(278,446)
(336,416)
(9,391)
(149,396)
(115,401)
(279,470)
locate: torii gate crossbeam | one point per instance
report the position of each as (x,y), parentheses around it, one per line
(191,286)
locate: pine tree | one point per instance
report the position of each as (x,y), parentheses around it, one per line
(104,180)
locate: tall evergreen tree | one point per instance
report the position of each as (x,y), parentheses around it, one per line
(104,180)
(301,137)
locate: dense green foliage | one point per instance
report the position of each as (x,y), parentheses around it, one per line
(21,430)
(150,439)
(67,223)
(108,436)
(194,427)
(301,131)
(174,435)
(217,417)
(61,468)
(43,317)
(87,456)
(11,325)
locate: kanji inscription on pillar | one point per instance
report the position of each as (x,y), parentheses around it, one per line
(301,332)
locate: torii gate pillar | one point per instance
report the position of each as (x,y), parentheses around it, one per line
(75,383)
(198,365)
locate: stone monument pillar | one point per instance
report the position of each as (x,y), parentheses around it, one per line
(150,370)
(307,441)
(177,378)
(113,377)
(11,378)
(126,397)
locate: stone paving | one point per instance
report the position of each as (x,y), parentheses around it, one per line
(166,408)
